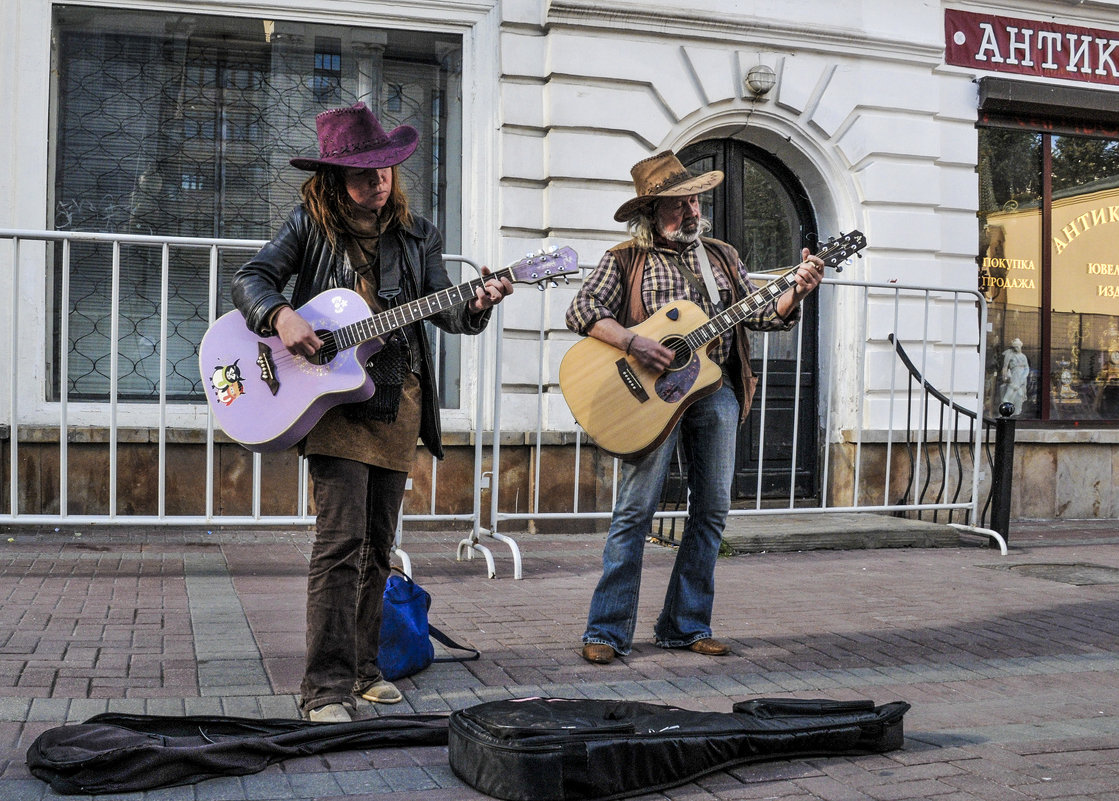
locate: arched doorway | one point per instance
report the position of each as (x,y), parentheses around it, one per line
(761,208)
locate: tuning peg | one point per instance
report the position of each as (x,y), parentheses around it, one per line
(541,286)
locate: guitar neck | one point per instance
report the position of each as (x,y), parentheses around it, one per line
(832,254)
(354,334)
(731,316)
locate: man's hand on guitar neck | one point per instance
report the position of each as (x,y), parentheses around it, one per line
(808,275)
(295,332)
(648,353)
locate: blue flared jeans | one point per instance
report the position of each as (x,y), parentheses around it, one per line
(707,431)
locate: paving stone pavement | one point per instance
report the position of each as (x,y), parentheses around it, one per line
(1011,663)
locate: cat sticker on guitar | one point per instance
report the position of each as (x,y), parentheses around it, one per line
(629,410)
(267,398)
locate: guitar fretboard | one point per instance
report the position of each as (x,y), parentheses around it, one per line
(739,312)
(348,336)
(831,254)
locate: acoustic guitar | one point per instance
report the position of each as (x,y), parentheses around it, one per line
(267,398)
(627,409)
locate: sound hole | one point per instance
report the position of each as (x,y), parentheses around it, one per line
(679,347)
(329,349)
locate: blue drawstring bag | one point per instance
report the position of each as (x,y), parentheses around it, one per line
(405,648)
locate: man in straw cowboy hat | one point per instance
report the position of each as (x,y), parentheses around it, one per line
(354,229)
(668,260)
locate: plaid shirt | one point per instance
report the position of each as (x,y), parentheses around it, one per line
(603,294)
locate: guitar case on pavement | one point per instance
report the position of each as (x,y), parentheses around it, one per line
(554,749)
(535,749)
(120,753)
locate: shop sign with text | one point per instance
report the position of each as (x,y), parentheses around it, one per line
(1031,47)
(1085,262)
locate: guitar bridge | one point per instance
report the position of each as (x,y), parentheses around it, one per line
(267,367)
(632,383)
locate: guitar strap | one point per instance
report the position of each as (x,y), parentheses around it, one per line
(389,266)
(388,366)
(712,289)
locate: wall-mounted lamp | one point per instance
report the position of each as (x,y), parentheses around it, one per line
(760,79)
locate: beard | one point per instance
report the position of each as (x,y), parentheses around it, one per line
(688,232)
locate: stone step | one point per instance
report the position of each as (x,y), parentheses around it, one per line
(836,531)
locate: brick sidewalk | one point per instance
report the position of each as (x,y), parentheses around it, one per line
(1011,662)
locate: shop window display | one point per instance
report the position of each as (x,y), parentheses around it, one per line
(1049,214)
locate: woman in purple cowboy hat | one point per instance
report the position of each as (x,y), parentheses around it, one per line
(354,229)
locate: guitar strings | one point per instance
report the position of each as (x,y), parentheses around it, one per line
(834,251)
(394,319)
(398,317)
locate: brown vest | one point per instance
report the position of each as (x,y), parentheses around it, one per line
(631,260)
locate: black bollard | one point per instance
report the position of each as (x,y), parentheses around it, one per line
(1003,476)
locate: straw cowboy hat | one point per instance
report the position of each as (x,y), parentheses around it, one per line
(660,176)
(352,137)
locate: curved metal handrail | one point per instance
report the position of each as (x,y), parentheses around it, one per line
(949,406)
(915,372)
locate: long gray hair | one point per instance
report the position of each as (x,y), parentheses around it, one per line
(643,226)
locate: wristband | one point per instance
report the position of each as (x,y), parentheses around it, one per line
(630,343)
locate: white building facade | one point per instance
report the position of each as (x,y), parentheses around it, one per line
(951,134)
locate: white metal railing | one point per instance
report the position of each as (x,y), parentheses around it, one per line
(113,408)
(911,312)
(962,385)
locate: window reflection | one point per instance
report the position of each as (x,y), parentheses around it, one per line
(1068,348)
(1009,267)
(182,125)
(1085,279)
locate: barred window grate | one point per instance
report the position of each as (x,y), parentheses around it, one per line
(182,125)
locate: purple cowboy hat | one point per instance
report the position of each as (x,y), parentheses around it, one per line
(352,137)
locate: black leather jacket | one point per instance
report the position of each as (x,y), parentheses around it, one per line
(300,248)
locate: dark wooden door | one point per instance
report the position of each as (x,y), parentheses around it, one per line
(762,210)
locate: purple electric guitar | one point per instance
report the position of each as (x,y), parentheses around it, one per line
(267,398)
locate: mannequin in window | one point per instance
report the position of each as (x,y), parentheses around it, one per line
(1015,371)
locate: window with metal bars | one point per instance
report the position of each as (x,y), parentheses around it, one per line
(173,124)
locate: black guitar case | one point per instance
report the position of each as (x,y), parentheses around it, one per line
(119,753)
(555,749)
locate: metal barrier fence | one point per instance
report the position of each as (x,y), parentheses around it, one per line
(846,435)
(880,310)
(58,415)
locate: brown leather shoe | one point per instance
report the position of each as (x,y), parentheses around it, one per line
(709,647)
(598,653)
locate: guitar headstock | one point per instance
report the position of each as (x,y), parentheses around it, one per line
(545,265)
(840,248)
